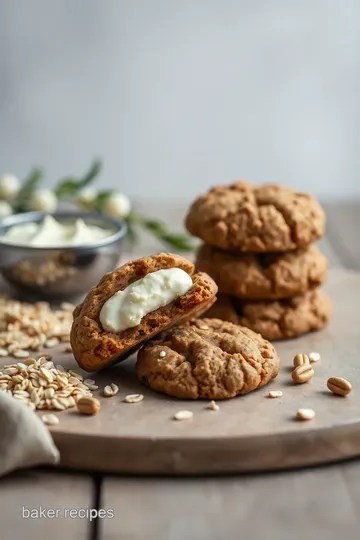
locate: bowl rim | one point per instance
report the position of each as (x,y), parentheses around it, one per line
(120,227)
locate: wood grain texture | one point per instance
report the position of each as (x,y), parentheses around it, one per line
(248,433)
(33,490)
(317,504)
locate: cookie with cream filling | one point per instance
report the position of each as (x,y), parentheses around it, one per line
(133,303)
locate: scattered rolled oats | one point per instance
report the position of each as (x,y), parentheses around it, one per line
(305,414)
(74,380)
(49,393)
(275,394)
(111,390)
(46,374)
(42,385)
(314,357)
(21,365)
(50,343)
(213,406)
(57,404)
(133,398)
(90,383)
(29,327)
(13,348)
(76,374)
(183,415)
(20,353)
(10,370)
(71,402)
(89,386)
(50,419)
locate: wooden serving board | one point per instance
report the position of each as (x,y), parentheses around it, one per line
(248,433)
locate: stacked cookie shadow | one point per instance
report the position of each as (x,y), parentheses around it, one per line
(258,248)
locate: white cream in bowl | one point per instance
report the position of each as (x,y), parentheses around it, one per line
(52,233)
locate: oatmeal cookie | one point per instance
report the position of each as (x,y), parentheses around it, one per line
(246,218)
(281,319)
(95,348)
(208,359)
(263,275)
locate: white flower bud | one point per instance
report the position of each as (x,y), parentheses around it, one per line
(43,200)
(5,209)
(117,205)
(85,197)
(9,186)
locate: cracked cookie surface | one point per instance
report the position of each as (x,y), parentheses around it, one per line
(94,348)
(246,218)
(266,275)
(208,359)
(278,319)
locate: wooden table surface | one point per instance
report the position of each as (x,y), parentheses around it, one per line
(321,502)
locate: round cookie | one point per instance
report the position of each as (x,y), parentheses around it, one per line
(265,275)
(208,359)
(246,218)
(95,348)
(281,319)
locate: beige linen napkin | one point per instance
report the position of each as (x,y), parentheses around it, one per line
(24,440)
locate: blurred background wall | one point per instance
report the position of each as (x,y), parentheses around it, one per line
(177,95)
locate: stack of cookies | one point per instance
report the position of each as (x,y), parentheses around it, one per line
(259,250)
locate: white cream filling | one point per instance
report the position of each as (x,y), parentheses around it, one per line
(125,309)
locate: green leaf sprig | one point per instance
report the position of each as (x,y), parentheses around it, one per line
(101,198)
(70,186)
(29,186)
(178,241)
